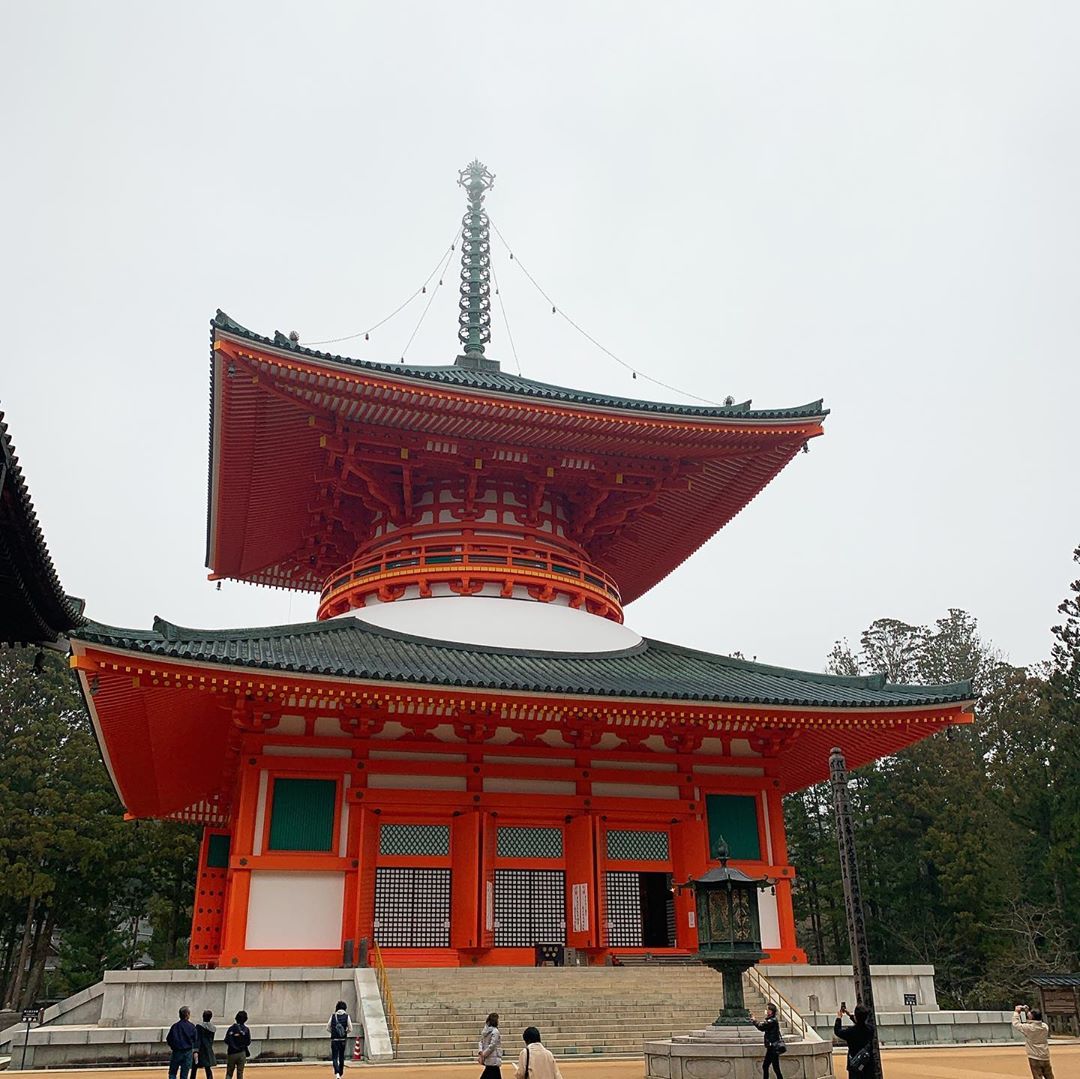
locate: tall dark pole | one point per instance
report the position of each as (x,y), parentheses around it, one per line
(853,904)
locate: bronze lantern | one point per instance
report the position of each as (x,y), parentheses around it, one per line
(729,929)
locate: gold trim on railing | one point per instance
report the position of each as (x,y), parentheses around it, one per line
(772,995)
(387,995)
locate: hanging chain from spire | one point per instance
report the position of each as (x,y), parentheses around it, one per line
(474,318)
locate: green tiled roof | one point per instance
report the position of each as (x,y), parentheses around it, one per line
(350,648)
(502,382)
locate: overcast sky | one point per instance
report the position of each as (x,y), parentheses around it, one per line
(871,203)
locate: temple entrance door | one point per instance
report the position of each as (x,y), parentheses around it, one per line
(640,910)
(657,910)
(530,907)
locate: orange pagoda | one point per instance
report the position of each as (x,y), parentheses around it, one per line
(468,753)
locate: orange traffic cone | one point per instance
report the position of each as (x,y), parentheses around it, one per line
(358,1048)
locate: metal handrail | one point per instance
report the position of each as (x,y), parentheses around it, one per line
(772,995)
(387,995)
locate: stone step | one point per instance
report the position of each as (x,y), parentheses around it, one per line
(581,1011)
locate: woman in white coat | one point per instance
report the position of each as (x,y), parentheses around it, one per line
(535,1061)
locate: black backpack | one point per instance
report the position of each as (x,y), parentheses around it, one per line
(339,1027)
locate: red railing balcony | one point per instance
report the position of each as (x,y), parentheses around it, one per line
(466,565)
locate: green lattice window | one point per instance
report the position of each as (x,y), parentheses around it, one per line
(217,852)
(734,816)
(302,817)
(529,843)
(420,840)
(627,846)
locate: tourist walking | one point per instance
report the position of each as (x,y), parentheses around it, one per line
(340,1028)
(860,1042)
(204,1048)
(774,1041)
(181,1039)
(1028,1023)
(237,1042)
(489,1052)
(535,1061)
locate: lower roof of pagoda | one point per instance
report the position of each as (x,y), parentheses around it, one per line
(169,704)
(353,649)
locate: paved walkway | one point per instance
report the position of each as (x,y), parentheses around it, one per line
(963,1062)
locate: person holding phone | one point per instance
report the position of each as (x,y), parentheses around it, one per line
(859,1039)
(1028,1023)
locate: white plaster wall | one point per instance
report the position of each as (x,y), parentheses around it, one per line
(295,910)
(501,623)
(417,782)
(633,790)
(528,786)
(770,920)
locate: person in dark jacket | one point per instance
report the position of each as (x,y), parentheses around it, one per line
(859,1038)
(204,1050)
(770,1025)
(181,1039)
(237,1040)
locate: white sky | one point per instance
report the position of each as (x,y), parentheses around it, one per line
(874,203)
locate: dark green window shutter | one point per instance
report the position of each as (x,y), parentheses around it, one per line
(303,814)
(217,852)
(733,816)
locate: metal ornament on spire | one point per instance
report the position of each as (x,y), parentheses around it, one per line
(474,318)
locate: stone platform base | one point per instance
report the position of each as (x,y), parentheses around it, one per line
(124,1019)
(733,1053)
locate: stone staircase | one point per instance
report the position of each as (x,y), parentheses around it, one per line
(580,1011)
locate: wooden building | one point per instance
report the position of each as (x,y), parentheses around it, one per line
(469,752)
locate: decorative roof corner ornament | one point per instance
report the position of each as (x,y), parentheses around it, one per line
(474,317)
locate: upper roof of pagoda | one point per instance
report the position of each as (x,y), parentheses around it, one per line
(275,403)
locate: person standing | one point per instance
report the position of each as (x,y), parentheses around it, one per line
(181,1039)
(237,1042)
(860,1042)
(205,1032)
(340,1028)
(489,1053)
(535,1061)
(1028,1023)
(770,1025)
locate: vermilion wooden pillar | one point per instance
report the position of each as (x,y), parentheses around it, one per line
(466,882)
(789,951)
(689,859)
(234,929)
(581,897)
(366,852)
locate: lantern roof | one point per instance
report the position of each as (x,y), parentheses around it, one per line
(725,873)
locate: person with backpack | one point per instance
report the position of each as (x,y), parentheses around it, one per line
(340,1029)
(237,1042)
(535,1061)
(860,1042)
(774,1041)
(204,1049)
(489,1052)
